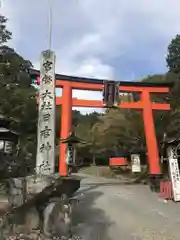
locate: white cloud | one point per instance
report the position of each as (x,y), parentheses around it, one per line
(103,39)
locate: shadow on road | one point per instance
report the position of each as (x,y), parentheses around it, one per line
(90,222)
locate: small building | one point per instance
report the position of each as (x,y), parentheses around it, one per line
(173,142)
(8,138)
(8,149)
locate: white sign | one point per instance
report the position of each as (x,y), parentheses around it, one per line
(1,145)
(45,159)
(69,155)
(136,163)
(174,172)
(8,147)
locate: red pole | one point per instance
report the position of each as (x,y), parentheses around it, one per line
(151,142)
(66,122)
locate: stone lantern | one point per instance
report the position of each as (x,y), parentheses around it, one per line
(71,141)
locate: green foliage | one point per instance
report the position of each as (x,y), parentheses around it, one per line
(17,96)
(5,35)
(173,56)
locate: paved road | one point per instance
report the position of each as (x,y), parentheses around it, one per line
(111,210)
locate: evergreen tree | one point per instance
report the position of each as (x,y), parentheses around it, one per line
(17,95)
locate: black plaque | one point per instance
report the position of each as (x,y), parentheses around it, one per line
(111,94)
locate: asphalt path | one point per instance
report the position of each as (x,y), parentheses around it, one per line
(114,210)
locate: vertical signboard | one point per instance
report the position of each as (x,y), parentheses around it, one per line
(174,172)
(69,155)
(8,147)
(136,163)
(111,94)
(45,159)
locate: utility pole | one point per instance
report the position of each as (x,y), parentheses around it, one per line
(50,25)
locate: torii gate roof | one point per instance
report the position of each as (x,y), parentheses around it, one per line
(72,139)
(35,73)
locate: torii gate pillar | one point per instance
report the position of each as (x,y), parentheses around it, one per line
(66,123)
(150,134)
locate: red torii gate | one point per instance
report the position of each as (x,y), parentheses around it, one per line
(68,83)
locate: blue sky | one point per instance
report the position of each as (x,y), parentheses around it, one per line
(113,39)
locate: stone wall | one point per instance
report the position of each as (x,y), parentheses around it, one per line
(20,190)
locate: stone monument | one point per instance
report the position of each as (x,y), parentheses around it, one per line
(45,159)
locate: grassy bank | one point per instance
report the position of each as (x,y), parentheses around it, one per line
(116,172)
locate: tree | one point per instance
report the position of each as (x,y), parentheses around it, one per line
(122,131)
(173,55)
(84,130)
(5,35)
(114,133)
(17,95)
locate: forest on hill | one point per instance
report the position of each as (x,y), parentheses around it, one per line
(115,132)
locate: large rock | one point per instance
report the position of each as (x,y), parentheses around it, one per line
(4,203)
(57,220)
(36,183)
(32,219)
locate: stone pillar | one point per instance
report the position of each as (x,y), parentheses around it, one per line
(45,159)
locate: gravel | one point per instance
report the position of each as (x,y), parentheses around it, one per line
(112,210)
